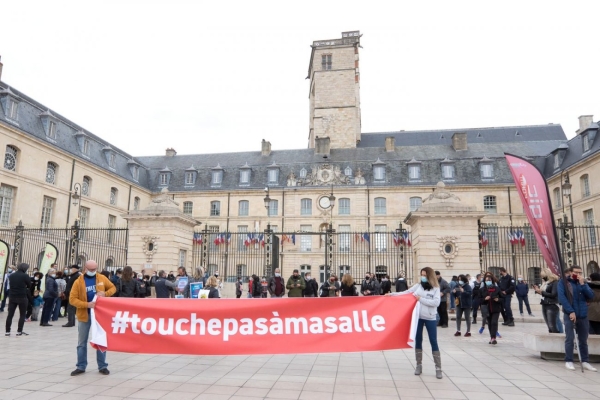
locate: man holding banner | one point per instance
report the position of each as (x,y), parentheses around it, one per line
(83,296)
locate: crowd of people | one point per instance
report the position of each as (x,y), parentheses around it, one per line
(70,294)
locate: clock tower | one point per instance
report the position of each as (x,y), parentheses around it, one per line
(334,97)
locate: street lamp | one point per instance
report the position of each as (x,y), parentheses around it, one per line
(267,200)
(566,191)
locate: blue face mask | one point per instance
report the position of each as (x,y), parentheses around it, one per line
(488,283)
(461,283)
(424,279)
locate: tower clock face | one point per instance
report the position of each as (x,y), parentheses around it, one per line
(324,202)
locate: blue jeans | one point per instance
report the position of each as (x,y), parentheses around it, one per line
(559,325)
(56,311)
(524,299)
(47,311)
(583,330)
(84,332)
(452,304)
(431,332)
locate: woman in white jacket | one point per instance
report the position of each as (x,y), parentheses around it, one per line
(427,293)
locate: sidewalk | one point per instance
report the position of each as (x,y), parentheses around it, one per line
(38,367)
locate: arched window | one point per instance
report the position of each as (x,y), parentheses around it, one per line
(585,185)
(51,173)
(188,207)
(303,173)
(136,203)
(305,207)
(380,206)
(10,158)
(348,171)
(489,204)
(113,196)
(86,186)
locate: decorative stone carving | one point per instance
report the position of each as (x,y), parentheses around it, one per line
(149,247)
(359,179)
(324,175)
(292,181)
(164,199)
(448,248)
(440,193)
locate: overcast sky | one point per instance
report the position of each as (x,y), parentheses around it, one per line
(218,76)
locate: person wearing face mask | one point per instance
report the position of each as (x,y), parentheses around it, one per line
(386,285)
(370,286)
(492,297)
(276,285)
(331,287)
(401,284)
(84,291)
(19,283)
(574,295)
(348,287)
(427,292)
(50,296)
(507,288)
(476,285)
(182,283)
(312,287)
(444,294)
(463,293)
(522,291)
(295,285)
(70,308)
(549,293)
(238,287)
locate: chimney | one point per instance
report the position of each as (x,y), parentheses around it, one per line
(390,143)
(170,152)
(0,68)
(584,122)
(459,141)
(266,148)
(322,146)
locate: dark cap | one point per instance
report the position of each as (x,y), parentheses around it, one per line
(119,270)
(437,273)
(295,270)
(75,266)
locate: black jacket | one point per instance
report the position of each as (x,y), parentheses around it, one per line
(371,285)
(128,289)
(312,288)
(401,285)
(256,288)
(476,288)
(19,283)
(51,291)
(507,284)
(386,287)
(494,293)
(348,290)
(70,282)
(550,294)
(213,293)
(162,289)
(330,289)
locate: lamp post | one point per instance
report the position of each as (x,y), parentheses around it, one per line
(268,233)
(399,235)
(329,236)
(568,228)
(76,197)
(75,233)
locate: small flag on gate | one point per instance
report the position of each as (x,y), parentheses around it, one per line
(197,238)
(511,237)
(261,239)
(484,239)
(248,240)
(366,237)
(228,238)
(396,239)
(522,238)
(406,239)
(294,239)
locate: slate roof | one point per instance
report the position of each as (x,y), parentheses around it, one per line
(430,148)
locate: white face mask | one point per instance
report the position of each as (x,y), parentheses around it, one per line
(277,275)
(53,275)
(91,273)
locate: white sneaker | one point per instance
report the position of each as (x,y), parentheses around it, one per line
(570,366)
(589,367)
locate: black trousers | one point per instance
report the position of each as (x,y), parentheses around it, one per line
(13,303)
(443,312)
(475,306)
(492,321)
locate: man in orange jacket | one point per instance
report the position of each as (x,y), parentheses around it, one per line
(85,288)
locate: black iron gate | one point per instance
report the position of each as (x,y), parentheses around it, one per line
(324,253)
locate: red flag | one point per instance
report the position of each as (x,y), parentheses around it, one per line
(175,326)
(535,197)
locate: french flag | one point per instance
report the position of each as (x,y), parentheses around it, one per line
(406,239)
(396,239)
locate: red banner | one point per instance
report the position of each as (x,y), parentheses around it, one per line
(254,326)
(535,197)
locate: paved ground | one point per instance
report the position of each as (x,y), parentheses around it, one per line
(38,366)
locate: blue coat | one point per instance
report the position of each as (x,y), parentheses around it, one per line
(522,289)
(466,297)
(581,295)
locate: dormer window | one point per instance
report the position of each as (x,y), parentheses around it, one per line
(586,142)
(448,172)
(83,142)
(348,171)
(273,174)
(164,176)
(559,155)
(190,176)
(216,176)
(111,157)
(486,168)
(10,104)
(303,173)
(245,176)
(556,161)
(379,171)
(50,124)
(86,147)
(414,170)
(134,168)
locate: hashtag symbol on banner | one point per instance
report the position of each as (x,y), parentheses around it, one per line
(120,322)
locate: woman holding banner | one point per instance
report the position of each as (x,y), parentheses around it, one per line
(427,293)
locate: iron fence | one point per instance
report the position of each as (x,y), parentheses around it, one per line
(515,248)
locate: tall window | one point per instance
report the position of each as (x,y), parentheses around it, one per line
(487,171)
(586,142)
(51,173)
(136,203)
(414,172)
(530,242)
(135,172)
(489,204)
(380,237)
(273,176)
(52,130)
(113,196)
(6,199)
(243,208)
(109,263)
(244,176)
(304,269)
(415,203)
(305,240)
(241,270)
(10,158)
(273,208)
(84,217)
(379,173)
(215,208)
(242,237)
(448,171)
(588,216)
(557,198)
(47,207)
(112,222)
(585,185)
(189,178)
(556,161)
(491,234)
(306,207)
(164,178)
(380,206)
(344,207)
(217,177)
(303,173)
(86,186)
(344,237)
(326,62)
(12,109)
(188,207)
(112,160)
(182,256)
(86,147)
